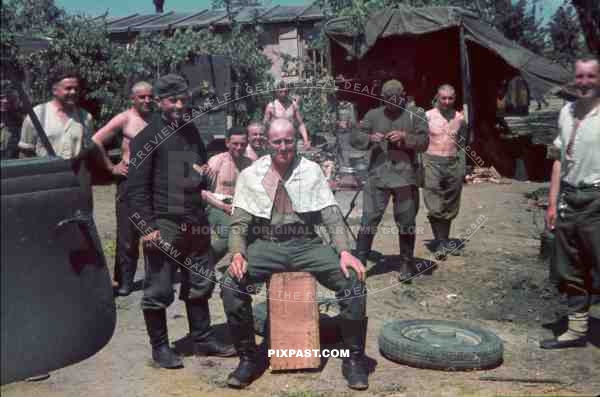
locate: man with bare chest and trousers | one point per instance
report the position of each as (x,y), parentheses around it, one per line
(127,123)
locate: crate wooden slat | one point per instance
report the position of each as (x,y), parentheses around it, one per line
(293,319)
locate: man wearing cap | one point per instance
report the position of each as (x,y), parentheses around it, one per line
(164,197)
(394,133)
(278,201)
(227,167)
(10,121)
(444,168)
(256,141)
(68,127)
(127,123)
(574,204)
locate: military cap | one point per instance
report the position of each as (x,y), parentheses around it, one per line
(170,85)
(392,87)
(63,72)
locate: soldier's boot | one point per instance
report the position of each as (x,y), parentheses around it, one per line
(201,334)
(162,354)
(407,256)
(441,230)
(575,336)
(355,368)
(252,364)
(126,276)
(363,245)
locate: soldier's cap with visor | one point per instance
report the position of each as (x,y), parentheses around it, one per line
(391,88)
(171,85)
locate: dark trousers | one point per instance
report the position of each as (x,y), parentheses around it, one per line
(128,238)
(576,262)
(220,223)
(296,255)
(375,201)
(188,250)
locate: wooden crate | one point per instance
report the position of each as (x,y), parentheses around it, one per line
(293,319)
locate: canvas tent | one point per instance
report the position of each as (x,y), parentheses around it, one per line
(429,46)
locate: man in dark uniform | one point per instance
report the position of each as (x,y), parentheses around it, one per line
(166,205)
(395,133)
(280,199)
(574,204)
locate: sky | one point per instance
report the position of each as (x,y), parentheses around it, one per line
(128,7)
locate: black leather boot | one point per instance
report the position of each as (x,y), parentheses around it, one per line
(162,354)
(439,246)
(201,334)
(126,281)
(252,364)
(407,258)
(355,368)
(364,242)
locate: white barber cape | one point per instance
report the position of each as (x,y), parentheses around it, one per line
(307,188)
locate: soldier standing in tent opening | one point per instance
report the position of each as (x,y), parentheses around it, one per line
(128,123)
(394,133)
(444,169)
(574,204)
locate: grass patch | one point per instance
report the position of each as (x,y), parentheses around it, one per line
(110,248)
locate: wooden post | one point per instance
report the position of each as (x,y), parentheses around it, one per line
(293,319)
(466,84)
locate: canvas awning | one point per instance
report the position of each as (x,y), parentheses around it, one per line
(540,73)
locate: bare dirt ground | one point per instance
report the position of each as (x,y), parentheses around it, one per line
(498,283)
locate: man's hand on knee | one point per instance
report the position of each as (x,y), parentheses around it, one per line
(238,266)
(347,260)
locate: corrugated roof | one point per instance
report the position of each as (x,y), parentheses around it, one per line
(126,23)
(206,17)
(202,20)
(162,23)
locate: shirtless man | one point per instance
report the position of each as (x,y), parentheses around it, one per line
(256,141)
(129,123)
(226,168)
(444,168)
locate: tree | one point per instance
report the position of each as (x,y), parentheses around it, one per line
(565,35)
(589,18)
(107,68)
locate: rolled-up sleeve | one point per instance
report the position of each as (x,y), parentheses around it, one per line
(238,231)
(332,219)
(29,135)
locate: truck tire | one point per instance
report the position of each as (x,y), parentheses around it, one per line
(440,344)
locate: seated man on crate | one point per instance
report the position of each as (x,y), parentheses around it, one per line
(280,199)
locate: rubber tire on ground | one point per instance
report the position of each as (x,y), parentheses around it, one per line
(328,331)
(396,346)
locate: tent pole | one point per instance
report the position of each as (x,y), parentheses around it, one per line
(466,84)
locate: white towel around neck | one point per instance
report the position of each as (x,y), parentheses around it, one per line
(307,188)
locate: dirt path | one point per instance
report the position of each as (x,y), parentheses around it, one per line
(498,283)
